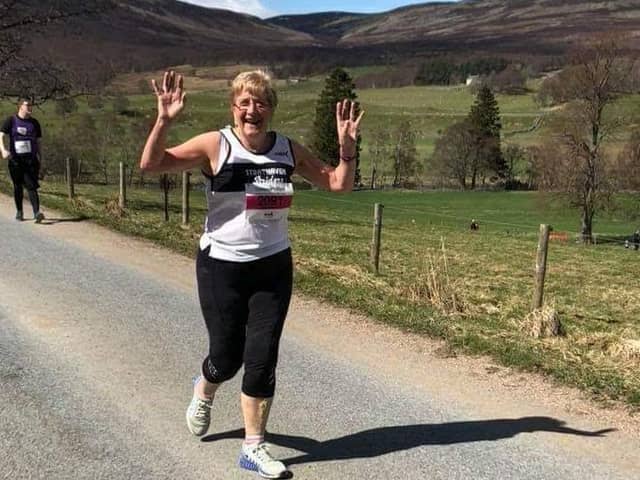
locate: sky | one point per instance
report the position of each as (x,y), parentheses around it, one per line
(271,8)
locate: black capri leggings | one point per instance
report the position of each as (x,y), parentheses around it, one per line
(244,305)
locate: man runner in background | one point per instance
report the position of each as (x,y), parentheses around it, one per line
(24,156)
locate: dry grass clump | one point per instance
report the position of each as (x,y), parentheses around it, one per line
(625,349)
(433,284)
(112,208)
(612,349)
(489,308)
(79,203)
(347,274)
(543,322)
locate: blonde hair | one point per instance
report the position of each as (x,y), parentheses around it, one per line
(256,82)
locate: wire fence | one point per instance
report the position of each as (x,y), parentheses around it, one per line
(408,223)
(479,220)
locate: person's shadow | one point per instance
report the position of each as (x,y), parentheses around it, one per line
(383,440)
(52,221)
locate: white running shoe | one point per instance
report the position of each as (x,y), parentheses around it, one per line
(256,457)
(199,415)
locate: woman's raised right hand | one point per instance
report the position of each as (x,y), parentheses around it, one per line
(171,97)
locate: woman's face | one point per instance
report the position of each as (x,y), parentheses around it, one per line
(251,113)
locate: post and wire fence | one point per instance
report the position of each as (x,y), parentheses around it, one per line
(541,266)
(69,182)
(122,197)
(377,236)
(376,245)
(69,178)
(541,255)
(186,186)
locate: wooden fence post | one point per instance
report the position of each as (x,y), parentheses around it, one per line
(185,197)
(122,199)
(71,192)
(377,231)
(541,265)
(164,179)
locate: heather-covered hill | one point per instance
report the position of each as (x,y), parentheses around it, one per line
(139,35)
(524,26)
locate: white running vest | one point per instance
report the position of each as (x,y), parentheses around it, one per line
(248,200)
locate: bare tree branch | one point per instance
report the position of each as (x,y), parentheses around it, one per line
(577,162)
(36,78)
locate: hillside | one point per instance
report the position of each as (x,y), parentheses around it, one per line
(139,35)
(525,26)
(522,26)
(329,27)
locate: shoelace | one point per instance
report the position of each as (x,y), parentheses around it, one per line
(262,454)
(202,409)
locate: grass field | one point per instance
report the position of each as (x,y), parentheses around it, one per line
(594,289)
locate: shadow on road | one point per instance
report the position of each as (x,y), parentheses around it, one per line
(383,440)
(51,221)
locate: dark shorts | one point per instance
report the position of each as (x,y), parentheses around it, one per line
(25,172)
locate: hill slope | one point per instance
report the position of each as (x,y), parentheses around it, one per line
(151,33)
(522,25)
(525,26)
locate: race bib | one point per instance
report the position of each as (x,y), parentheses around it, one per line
(22,146)
(268,201)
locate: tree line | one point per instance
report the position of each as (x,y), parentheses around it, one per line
(500,74)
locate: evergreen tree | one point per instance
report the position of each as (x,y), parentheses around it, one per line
(338,86)
(485,118)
